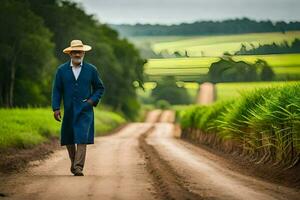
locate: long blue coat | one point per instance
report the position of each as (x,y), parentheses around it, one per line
(78,119)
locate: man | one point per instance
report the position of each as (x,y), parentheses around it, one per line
(78,84)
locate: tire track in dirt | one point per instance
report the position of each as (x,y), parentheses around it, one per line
(169,185)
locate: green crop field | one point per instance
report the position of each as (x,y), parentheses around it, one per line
(204,50)
(210,45)
(281,64)
(226,91)
(193,69)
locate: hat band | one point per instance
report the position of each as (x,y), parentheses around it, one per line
(80,45)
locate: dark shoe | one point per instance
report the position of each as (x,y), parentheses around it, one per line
(72,169)
(78,172)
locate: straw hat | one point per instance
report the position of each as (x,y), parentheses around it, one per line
(77,45)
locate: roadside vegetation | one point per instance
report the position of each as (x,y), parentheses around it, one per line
(28,127)
(262,124)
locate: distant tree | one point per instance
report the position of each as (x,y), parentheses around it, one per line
(167,90)
(230,26)
(162,104)
(186,54)
(177,54)
(227,70)
(272,48)
(226,53)
(217,69)
(202,54)
(243,48)
(265,71)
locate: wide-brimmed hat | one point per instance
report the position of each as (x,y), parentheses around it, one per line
(77,45)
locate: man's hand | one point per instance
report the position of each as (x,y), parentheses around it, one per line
(57,115)
(90,102)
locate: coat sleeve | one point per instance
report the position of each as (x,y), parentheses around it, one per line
(57,89)
(97,86)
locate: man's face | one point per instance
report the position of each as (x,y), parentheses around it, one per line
(77,56)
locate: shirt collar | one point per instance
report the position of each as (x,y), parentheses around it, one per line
(71,64)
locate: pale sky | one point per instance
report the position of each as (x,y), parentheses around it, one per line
(177,11)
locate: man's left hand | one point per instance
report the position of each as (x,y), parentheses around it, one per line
(90,102)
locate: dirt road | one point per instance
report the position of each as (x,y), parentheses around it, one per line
(206,94)
(141,161)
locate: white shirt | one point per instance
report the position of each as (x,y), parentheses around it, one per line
(76,69)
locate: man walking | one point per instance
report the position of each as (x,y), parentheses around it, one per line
(78,84)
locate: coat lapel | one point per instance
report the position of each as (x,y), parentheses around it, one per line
(70,71)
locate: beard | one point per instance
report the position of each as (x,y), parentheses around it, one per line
(77,60)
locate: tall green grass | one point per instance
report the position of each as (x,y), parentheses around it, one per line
(25,128)
(263,123)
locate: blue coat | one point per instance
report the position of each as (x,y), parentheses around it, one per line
(78,119)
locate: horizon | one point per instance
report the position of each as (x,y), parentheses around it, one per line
(191,22)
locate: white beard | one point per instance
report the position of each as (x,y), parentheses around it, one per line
(77,60)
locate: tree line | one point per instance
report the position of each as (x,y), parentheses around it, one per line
(230,26)
(34,33)
(273,48)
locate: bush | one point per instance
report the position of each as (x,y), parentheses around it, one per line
(162,104)
(169,91)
